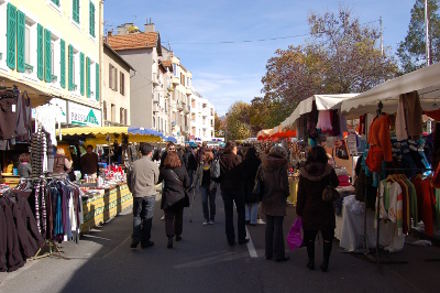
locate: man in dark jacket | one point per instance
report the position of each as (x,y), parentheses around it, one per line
(231,186)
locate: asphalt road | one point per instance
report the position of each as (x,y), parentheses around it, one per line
(203,262)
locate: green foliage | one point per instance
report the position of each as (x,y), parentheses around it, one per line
(412,50)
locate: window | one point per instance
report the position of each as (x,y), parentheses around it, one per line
(75,10)
(104,109)
(27,45)
(113,77)
(121,115)
(113,112)
(122,83)
(125,117)
(182,79)
(175,70)
(92,19)
(56,2)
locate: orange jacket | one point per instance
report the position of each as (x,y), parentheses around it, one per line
(380,136)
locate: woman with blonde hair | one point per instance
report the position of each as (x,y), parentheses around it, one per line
(61,164)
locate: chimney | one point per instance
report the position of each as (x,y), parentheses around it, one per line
(149,26)
(109,33)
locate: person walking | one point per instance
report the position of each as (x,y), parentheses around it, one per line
(231,186)
(274,189)
(176,182)
(208,188)
(250,167)
(317,214)
(144,177)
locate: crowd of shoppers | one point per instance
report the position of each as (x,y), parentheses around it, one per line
(253,180)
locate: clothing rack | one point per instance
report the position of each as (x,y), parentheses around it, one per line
(378,259)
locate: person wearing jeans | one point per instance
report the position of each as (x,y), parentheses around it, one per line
(143,208)
(250,167)
(143,177)
(208,188)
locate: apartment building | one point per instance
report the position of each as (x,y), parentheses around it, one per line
(116,73)
(51,48)
(147,89)
(202,118)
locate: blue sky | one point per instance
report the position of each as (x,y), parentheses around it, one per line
(225,73)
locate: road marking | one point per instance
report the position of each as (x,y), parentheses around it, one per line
(96,237)
(250,245)
(117,247)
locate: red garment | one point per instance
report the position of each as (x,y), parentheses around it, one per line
(425,202)
(379,139)
(435,114)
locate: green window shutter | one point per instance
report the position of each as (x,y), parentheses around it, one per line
(47,56)
(92,19)
(97,82)
(40,57)
(62,64)
(81,73)
(75,10)
(20,41)
(11,25)
(70,57)
(57,2)
(88,77)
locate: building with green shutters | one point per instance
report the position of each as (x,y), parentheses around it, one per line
(52,48)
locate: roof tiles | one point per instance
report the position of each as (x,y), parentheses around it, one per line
(133,41)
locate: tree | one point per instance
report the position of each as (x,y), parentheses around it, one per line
(341,57)
(219,125)
(412,51)
(237,122)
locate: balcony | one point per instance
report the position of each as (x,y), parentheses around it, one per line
(188,91)
(176,80)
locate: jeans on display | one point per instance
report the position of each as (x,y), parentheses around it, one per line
(143,208)
(208,202)
(274,237)
(228,200)
(252,212)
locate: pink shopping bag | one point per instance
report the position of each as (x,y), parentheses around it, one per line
(295,238)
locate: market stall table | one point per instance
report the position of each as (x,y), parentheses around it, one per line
(100,205)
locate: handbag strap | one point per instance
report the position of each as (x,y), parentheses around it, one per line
(176,177)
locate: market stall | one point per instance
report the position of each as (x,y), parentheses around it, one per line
(395,190)
(108,195)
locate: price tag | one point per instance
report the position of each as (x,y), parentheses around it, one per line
(14,108)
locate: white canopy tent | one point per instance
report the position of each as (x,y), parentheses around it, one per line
(426,81)
(323,102)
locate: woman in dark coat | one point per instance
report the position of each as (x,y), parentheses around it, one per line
(176,181)
(317,215)
(274,191)
(250,166)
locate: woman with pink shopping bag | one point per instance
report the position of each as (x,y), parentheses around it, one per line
(315,203)
(295,238)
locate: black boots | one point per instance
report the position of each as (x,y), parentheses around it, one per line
(311,254)
(170,243)
(327,250)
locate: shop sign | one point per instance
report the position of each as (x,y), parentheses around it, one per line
(83,115)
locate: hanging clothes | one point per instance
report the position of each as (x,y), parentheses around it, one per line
(379,139)
(413,113)
(325,121)
(401,132)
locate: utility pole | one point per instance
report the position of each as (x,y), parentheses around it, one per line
(428,41)
(381,36)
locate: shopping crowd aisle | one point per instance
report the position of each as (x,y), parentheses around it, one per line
(204,262)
